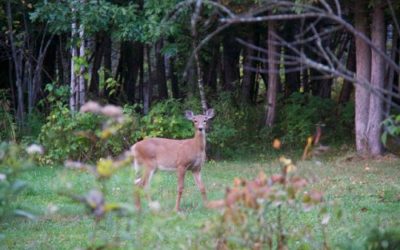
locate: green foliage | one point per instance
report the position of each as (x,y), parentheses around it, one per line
(95,16)
(166,119)
(13,161)
(300,114)
(392,127)
(69,135)
(123,20)
(60,135)
(8,127)
(29,132)
(225,125)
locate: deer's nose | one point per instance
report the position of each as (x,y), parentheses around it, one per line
(200,129)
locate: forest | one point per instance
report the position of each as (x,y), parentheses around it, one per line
(294,106)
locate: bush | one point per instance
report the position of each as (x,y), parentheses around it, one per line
(8,128)
(165,119)
(300,114)
(70,135)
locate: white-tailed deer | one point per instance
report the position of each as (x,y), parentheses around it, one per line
(174,155)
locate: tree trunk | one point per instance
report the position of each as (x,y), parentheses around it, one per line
(148,85)
(377,82)
(248,70)
(74,53)
(17,57)
(97,58)
(211,68)
(363,70)
(347,87)
(126,71)
(107,66)
(174,79)
(82,82)
(160,71)
(391,74)
(292,71)
(272,75)
(231,55)
(50,62)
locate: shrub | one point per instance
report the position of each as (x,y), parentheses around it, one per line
(165,119)
(70,135)
(8,128)
(300,114)
(224,125)
(60,136)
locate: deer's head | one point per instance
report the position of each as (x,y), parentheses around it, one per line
(200,121)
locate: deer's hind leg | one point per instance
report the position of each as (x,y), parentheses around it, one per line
(144,181)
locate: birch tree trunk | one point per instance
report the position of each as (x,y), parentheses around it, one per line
(74,54)
(81,87)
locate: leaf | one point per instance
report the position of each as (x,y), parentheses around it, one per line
(384,138)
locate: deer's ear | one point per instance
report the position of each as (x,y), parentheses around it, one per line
(189,115)
(210,113)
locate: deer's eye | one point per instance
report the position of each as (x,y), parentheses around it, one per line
(195,121)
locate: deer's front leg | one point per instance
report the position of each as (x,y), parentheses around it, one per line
(200,185)
(181,181)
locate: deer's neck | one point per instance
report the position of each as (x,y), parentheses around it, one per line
(200,140)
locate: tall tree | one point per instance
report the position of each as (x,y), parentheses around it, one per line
(160,72)
(273,80)
(230,62)
(377,81)
(347,87)
(363,73)
(248,68)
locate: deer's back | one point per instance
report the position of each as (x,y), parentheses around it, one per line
(168,154)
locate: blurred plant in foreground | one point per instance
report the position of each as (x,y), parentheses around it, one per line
(96,200)
(263,213)
(15,159)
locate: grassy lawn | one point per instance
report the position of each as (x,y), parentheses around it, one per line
(368,192)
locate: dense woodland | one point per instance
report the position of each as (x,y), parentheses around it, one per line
(271,69)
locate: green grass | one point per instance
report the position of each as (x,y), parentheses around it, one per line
(368,193)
